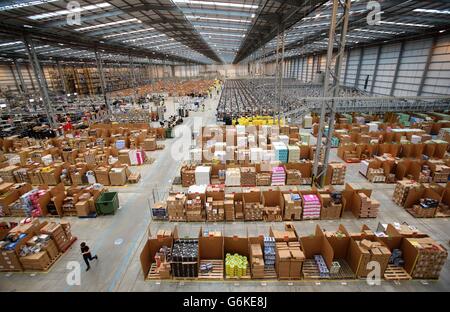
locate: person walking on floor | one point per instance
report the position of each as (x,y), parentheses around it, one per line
(87,255)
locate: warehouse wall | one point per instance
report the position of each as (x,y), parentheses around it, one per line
(228,70)
(7,81)
(411,68)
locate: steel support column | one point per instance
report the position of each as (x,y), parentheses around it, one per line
(338,29)
(427,66)
(101,75)
(358,70)
(279,70)
(133,78)
(40,78)
(347,61)
(15,79)
(23,86)
(397,68)
(375,70)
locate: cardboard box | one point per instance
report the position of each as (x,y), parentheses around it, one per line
(118,176)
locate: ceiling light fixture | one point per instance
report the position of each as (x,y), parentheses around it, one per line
(109,24)
(218,19)
(214,3)
(65,12)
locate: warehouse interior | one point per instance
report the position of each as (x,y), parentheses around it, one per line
(242,145)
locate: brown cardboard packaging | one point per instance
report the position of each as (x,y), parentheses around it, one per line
(102,175)
(118,176)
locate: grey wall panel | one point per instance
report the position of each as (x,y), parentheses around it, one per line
(411,67)
(367,68)
(386,69)
(437,80)
(352,66)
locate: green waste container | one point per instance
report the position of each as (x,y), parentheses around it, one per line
(107,203)
(169,133)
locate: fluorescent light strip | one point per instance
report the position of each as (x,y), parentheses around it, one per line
(128,32)
(218,19)
(214,3)
(378,31)
(221,28)
(219,34)
(432,11)
(406,24)
(25,4)
(65,12)
(9,43)
(143,38)
(109,24)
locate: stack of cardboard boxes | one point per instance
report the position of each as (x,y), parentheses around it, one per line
(257,261)
(215,209)
(293,177)
(176,207)
(263,179)
(229,207)
(60,233)
(248,176)
(402,189)
(369,206)
(194,210)
(372,251)
(376,175)
(337,173)
(188,175)
(292,206)
(431,258)
(331,208)
(289,260)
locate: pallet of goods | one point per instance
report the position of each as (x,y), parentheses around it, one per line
(369,207)
(263,179)
(292,207)
(184,262)
(229,207)
(431,258)
(336,173)
(236,267)
(311,207)
(248,176)
(176,207)
(331,206)
(376,175)
(402,189)
(289,260)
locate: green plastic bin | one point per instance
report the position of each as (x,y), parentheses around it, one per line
(169,133)
(107,203)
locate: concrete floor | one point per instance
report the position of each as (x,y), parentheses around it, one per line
(119,239)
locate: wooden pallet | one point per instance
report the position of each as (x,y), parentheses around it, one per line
(70,214)
(395,273)
(278,218)
(247,275)
(442,215)
(53,216)
(74,238)
(153,273)
(411,212)
(10,270)
(270,273)
(46,268)
(345,271)
(215,274)
(311,271)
